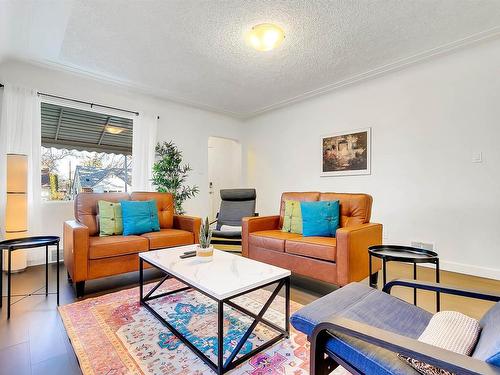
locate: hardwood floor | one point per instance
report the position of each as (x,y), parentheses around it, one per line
(34,340)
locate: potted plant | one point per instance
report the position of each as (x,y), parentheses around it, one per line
(205,251)
(170,175)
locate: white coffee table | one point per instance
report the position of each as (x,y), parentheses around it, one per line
(226,277)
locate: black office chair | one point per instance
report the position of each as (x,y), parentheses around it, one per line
(236,204)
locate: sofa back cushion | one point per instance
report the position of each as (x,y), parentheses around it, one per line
(355,209)
(488,346)
(164,202)
(296,196)
(86,208)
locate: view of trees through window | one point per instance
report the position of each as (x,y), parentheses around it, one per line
(66,173)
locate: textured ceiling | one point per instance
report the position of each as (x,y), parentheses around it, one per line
(193,50)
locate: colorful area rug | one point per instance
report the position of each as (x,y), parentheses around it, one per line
(113,334)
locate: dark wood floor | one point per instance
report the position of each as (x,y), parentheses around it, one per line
(34,340)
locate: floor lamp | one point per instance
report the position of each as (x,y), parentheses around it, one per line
(16,209)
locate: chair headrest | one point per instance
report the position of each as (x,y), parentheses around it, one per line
(238,194)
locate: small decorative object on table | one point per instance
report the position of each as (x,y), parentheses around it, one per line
(204,250)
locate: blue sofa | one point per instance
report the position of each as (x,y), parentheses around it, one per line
(362,329)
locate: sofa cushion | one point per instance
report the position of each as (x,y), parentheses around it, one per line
(168,238)
(361,303)
(296,196)
(355,209)
(271,239)
(292,221)
(104,247)
(86,208)
(110,218)
(450,330)
(164,203)
(320,218)
(488,346)
(324,248)
(139,217)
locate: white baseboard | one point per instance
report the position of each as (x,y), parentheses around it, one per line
(466,269)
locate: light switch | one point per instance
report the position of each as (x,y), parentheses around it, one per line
(477,157)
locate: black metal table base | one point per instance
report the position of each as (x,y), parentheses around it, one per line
(27,243)
(433,259)
(222,366)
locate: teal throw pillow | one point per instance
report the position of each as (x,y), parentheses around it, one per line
(139,217)
(320,218)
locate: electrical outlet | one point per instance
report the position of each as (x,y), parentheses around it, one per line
(422,245)
(427,246)
(53,255)
(416,244)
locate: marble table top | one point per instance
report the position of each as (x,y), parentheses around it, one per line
(225,276)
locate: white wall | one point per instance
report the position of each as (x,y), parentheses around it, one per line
(426,122)
(188,127)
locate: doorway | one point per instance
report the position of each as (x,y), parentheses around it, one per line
(224,169)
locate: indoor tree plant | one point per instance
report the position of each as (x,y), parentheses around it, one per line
(204,250)
(170,174)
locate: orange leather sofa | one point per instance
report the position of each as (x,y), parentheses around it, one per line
(88,256)
(338,260)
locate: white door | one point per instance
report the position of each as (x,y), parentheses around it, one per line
(224,169)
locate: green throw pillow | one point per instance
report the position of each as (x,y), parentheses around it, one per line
(292,220)
(110,218)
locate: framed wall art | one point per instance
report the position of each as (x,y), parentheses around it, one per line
(346,153)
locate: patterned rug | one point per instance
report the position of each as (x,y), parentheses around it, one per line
(113,334)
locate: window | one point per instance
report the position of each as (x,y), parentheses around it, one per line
(84,151)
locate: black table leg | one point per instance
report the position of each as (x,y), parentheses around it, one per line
(141,280)
(46,270)
(9,286)
(438,295)
(57,272)
(415,278)
(220,337)
(384,266)
(370,269)
(287,306)
(1,277)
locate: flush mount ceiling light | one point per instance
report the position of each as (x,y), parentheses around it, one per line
(114,129)
(265,37)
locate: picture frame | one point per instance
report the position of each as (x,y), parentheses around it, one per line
(346,153)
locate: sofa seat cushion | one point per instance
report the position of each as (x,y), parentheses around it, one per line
(271,239)
(168,238)
(361,303)
(110,246)
(324,248)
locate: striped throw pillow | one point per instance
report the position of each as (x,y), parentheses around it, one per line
(449,330)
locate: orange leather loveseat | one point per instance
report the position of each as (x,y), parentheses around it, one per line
(88,256)
(338,260)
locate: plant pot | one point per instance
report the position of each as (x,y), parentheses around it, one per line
(204,254)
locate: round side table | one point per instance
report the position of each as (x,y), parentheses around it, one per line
(405,254)
(27,243)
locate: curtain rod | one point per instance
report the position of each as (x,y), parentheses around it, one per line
(84,102)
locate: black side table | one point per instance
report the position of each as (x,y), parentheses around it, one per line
(406,254)
(27,243)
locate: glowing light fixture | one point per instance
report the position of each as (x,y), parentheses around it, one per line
(16,209)
(265,37)
(114,129)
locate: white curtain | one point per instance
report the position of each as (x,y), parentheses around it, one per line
(20,133)
(143,151)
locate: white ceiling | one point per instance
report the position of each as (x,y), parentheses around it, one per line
(193,51)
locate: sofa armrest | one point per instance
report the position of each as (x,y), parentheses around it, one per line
(433,355)
(253,224)
(352,251)
(76,249)
(190,223)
